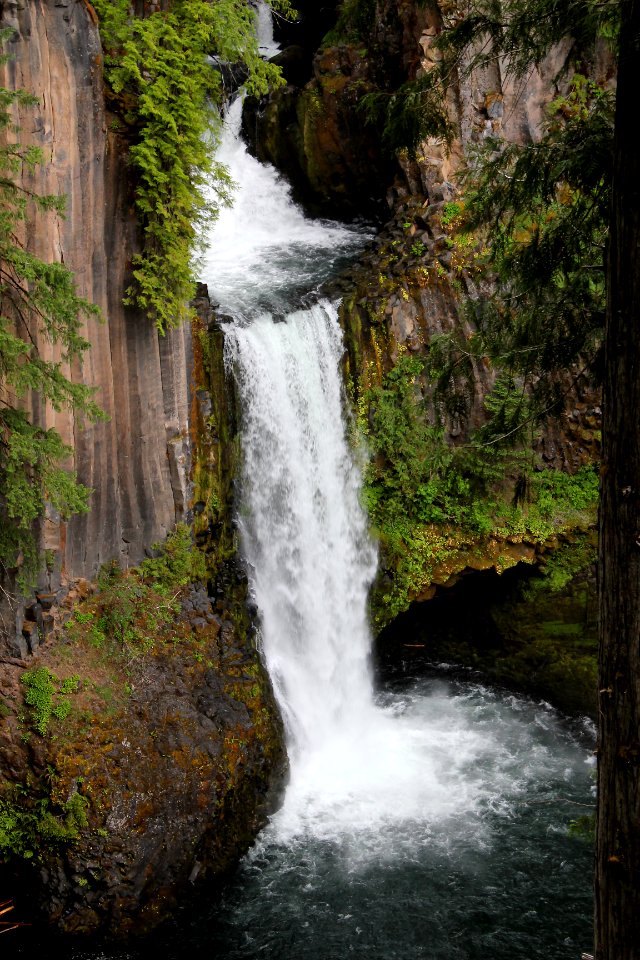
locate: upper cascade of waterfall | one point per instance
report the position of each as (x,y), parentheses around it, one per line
(264,253)
(264,28)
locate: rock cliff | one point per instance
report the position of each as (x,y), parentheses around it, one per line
(137,461)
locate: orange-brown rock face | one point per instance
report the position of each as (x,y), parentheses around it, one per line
(136,462)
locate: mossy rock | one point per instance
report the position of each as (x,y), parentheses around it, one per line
(515,630)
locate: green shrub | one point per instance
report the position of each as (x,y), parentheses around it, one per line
(451,212)
(45,695)
(137,605)
(178,562)
(28,824)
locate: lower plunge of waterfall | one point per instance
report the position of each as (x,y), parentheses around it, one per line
(427,819)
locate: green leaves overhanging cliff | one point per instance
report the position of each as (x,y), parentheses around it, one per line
(168,93)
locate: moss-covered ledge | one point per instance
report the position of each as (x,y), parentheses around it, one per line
(139,753)
(531,629)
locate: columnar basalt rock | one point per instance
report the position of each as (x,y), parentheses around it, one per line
(137,462)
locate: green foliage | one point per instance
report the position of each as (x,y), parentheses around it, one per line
(451,213)
(411,453)
(132,612)
(178,562)
(39,307)
(45,694)
(545,207)
(354,23)
(563,564)
(542,208)
(29,824)
(407,115)
(427,499)
(168,93)
(584,828)
(16,832)
(135,606)
(521,33)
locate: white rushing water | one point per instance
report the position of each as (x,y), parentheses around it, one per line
(304,532)
(264,253)
(377,778)
(264,28)
(358,769)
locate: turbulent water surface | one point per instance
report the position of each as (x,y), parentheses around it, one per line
(428,819)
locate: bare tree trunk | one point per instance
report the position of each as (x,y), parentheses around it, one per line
(617,900)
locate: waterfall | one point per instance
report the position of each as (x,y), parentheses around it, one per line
(264,254)
(303,530)
(264,29)
(355,765)
(375,778)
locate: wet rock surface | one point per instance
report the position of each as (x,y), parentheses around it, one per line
(518,630)
(177,755)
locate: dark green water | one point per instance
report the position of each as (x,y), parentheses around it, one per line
(500,877)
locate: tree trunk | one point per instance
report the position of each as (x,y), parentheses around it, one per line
(617,900)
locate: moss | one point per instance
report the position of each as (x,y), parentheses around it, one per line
(131,617)
(354,24)
(516,630)
(183,734)
(216,448)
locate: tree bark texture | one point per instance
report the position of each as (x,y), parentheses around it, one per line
(617,899)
